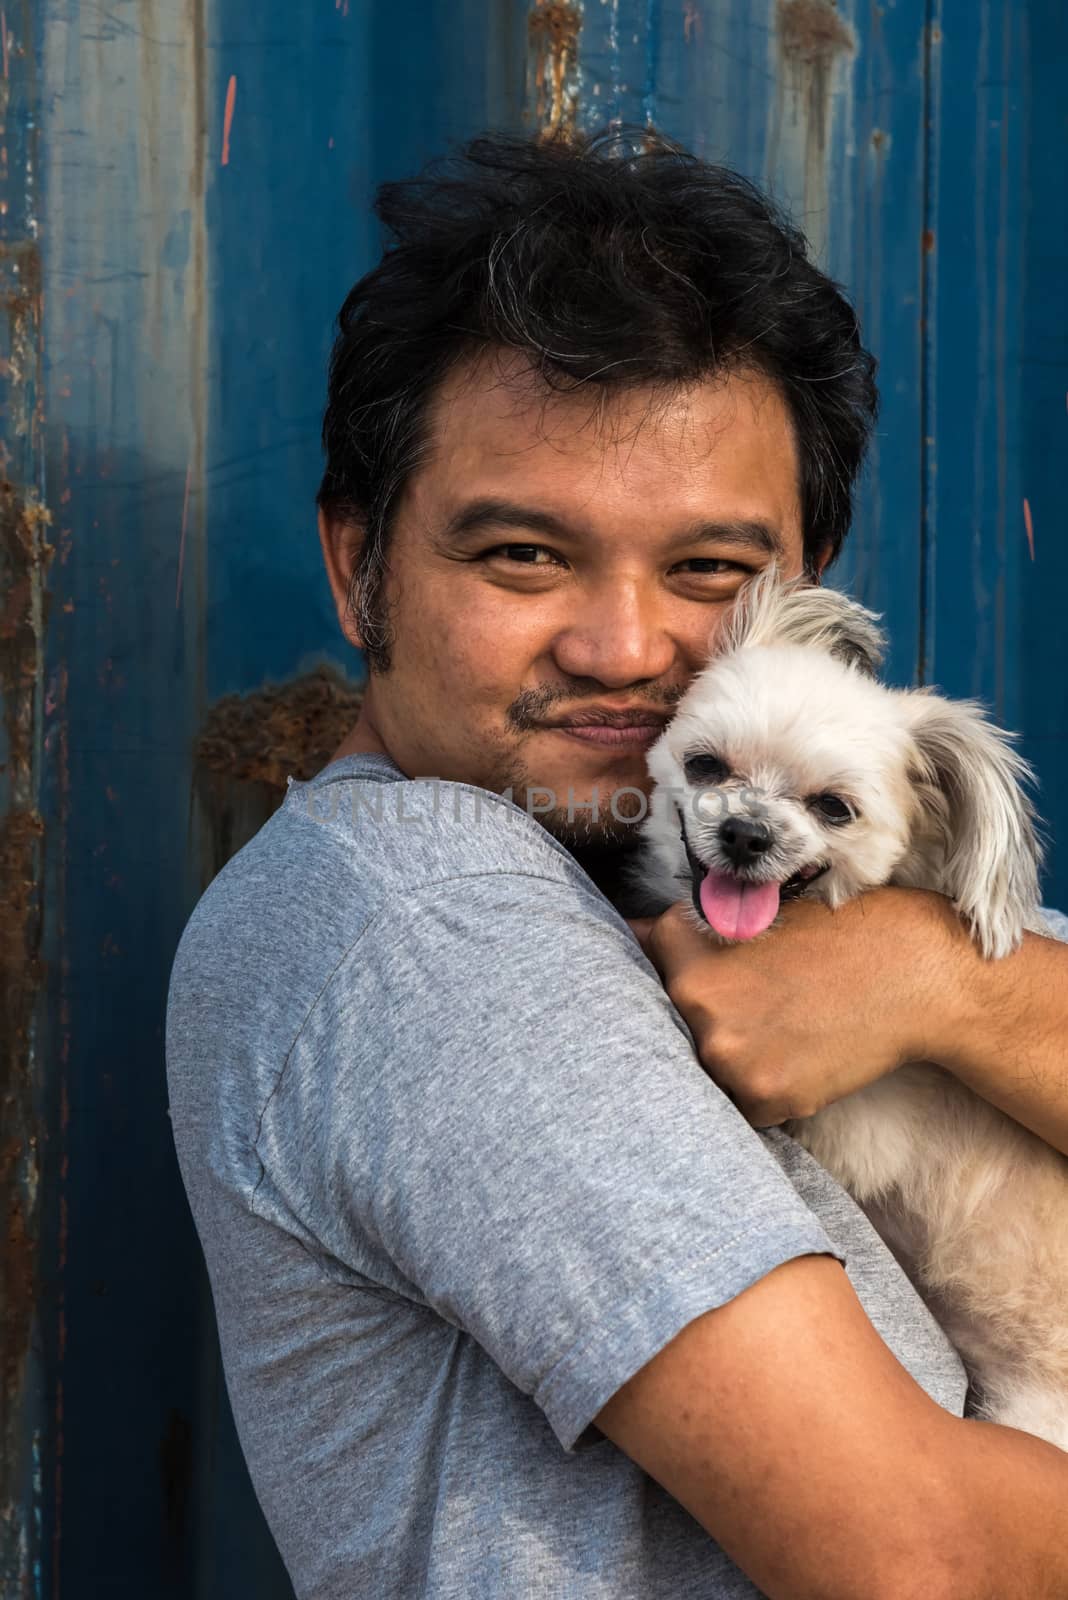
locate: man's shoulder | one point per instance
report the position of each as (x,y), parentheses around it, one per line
(354,874)
(359,845)
(402,833)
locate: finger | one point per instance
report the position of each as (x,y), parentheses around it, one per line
(674,938)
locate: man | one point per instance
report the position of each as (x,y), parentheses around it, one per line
(513,1300)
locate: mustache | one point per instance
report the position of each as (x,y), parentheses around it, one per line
(531,706)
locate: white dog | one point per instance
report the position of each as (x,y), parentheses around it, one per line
(788,770)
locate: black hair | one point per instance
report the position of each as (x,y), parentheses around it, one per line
(612,259)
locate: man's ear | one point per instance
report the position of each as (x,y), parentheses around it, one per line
(821,561)
(342,541)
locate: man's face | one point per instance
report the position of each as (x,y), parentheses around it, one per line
(559,567)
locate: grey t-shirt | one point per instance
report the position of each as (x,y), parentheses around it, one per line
(458,1175)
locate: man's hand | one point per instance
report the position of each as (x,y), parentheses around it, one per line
(823,1003)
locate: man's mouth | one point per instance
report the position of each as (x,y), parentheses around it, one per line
(737,907)
(632,728)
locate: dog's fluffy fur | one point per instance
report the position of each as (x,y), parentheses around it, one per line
(974,1206)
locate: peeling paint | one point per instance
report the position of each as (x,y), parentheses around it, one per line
(552,67)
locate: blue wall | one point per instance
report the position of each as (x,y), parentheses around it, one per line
(181,347)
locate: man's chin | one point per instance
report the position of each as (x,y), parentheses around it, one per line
(608,821)
(578,834)
(578,808)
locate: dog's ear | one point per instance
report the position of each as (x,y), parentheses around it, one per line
(770,610)
(969,782)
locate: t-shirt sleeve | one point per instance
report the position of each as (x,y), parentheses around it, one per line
(494,1096)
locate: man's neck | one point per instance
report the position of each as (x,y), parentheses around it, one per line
(362,739)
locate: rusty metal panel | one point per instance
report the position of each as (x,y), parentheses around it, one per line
(25,554)
(996,380)
(184,200)
(123,161)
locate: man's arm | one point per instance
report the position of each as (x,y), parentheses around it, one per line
(831,1000)
(1009,1037)
(786,1427)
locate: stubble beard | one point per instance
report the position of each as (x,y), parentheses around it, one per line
(579,821)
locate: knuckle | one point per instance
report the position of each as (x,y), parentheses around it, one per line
(799,1109)
(685,993)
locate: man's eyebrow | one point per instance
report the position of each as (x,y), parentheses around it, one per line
(742,533)
(478,515)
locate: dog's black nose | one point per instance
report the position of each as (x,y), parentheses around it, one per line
(744,839)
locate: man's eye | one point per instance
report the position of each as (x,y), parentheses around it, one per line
(715,566)
(528,555)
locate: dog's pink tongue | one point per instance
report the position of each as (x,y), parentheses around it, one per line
(738,910)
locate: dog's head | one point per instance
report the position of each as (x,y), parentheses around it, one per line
(789,770)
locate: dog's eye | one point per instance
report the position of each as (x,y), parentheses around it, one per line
(831,808)
(704,768)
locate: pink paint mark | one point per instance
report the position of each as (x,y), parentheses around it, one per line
(1030,527)
(3,41)
(330,144)
(181,544)
(228,118)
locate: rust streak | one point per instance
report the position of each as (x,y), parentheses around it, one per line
(1029,527)
(25,555)
(812,36)
(812,30)
(553,33)
(228,118)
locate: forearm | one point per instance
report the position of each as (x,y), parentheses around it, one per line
(1006,1537)
(1008,1034)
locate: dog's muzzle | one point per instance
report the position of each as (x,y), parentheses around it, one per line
(794,887)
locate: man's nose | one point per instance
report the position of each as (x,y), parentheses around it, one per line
(744,840)
(619,638)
